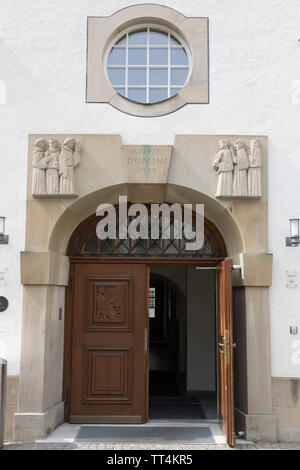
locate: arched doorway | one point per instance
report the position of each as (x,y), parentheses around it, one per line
(46,277)
(106,373)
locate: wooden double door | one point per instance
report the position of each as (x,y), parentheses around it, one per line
(106,379)
(109,360)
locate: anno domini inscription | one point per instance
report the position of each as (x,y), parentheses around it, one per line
(146,163)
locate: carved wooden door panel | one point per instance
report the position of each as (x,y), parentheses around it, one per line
(225,350)
(108,379)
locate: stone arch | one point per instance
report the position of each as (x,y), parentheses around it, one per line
(84,207)
(45,275)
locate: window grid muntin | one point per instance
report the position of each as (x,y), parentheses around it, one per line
(148,69)
(169,87)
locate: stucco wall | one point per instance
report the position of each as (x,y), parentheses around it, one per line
(254,64)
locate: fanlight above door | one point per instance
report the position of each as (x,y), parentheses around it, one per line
(85,243)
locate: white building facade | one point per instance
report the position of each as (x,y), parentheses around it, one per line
(243,84)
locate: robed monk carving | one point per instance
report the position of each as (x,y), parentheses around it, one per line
(52,157)
(53,167)
(254,172)
(239,172)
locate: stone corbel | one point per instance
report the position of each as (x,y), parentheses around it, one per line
(45,268)
(256,270)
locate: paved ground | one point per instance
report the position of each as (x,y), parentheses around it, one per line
(43,446)
(63,438)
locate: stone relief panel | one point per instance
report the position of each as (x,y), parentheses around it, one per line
(108,303)
(60,167)
(53,167)
(254,173)
(239,169)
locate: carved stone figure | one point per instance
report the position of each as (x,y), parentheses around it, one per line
(241,166)
(52,178)
(254,173)
(69,159)
(223,163)
(39,165)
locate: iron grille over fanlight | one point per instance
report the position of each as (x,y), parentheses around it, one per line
(84,242)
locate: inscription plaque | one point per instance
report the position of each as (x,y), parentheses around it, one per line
(147,163)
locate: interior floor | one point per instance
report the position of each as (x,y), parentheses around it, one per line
(196,406)
(168,400)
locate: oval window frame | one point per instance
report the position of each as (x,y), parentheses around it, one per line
(158,27)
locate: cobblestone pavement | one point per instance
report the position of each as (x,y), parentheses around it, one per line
(257,446)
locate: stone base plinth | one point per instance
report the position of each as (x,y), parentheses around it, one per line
(31,426)
(256,427)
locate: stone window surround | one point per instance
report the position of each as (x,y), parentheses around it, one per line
(103,30)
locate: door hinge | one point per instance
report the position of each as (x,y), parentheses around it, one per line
(68,399)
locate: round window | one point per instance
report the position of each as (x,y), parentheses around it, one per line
(148,65)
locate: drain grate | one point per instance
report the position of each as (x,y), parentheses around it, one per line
(145,434)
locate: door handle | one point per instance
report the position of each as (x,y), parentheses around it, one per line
(222,338)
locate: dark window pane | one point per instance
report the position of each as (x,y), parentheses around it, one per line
(117,57)
(138,246)
(179,57)
(122,246)
(171,248)
(138,39)
(158,56)
(178,76)
(158,94)
(137,56)
(155,246)
(91,245)
(158,77)
(116,76)
(137,76)
(121,91)
(106,246)
(157,38)
(174,91)
(137,94)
